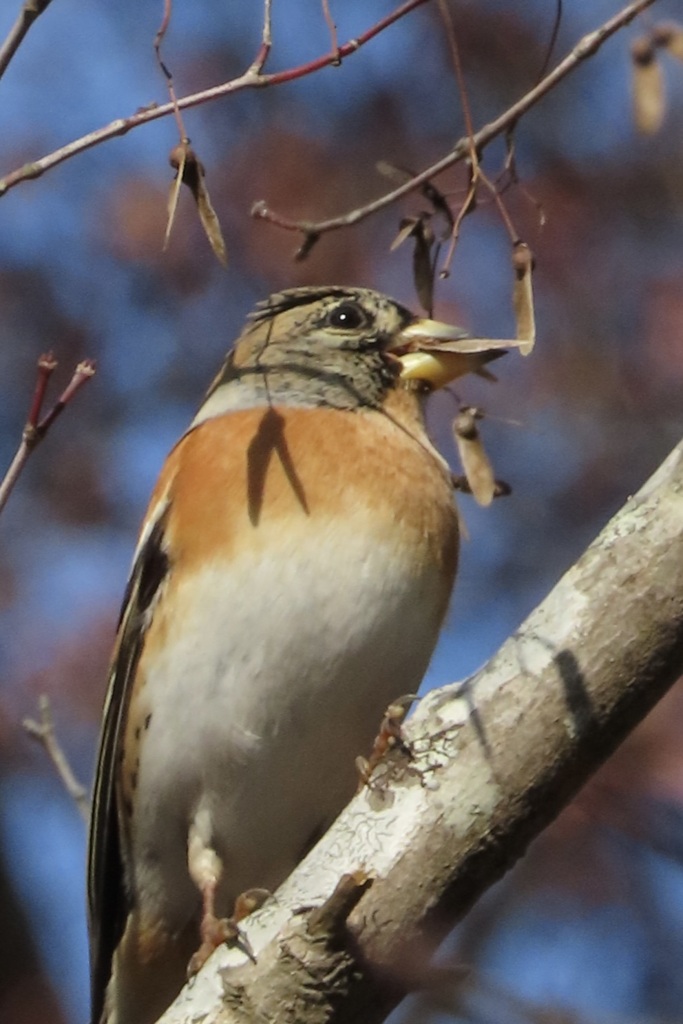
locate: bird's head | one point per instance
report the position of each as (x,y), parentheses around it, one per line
(343,347)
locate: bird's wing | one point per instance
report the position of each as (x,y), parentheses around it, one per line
(108,898)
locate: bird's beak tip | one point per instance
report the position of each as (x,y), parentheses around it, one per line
(435,353)
(424,330)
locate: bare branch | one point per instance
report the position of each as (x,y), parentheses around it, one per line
(586,47)
(44,732)
(251,79)
(36,429)
(332,29)
(30,10)
(259,61)
(47,364)
(165,70)
(81,375)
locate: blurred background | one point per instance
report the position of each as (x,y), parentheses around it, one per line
(590,923)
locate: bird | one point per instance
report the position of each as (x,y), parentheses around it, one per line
(291,577)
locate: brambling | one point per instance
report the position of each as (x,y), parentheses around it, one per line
(290,579)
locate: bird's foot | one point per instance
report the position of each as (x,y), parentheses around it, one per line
(215,931)
(390,737)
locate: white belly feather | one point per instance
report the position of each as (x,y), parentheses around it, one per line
(274,676)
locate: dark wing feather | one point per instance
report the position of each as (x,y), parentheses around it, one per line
(108,900)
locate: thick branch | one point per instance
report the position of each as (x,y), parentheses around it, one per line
(496,758)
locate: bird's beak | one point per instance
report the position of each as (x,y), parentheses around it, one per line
(435,353)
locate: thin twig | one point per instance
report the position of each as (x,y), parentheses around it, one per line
(554,33)
(44,732)
(81,375)
(251,79)
(47,364)
(165,70)
(261,57)
(447,19)
(470,199)
(161,31)
(35,428)
(477,174)
(30,10)
(586,47)
(332,28)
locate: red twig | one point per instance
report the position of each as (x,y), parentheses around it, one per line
(261,57)
(585,48)
(251,79)
(82,374)
(36,428)
(47,364)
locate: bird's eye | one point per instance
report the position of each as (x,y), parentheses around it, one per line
(347,316)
